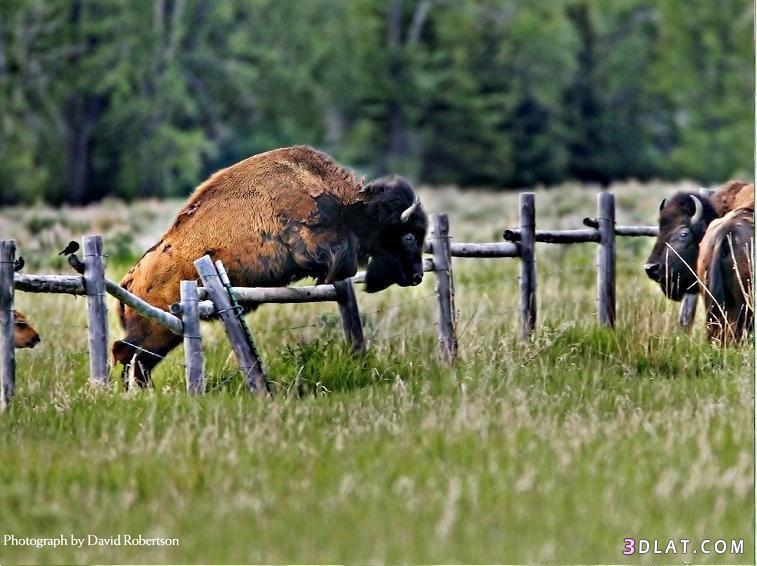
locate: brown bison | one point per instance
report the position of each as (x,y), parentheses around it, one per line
(696,246)
(725,271)
(272,219)
(24,335)
(733,195)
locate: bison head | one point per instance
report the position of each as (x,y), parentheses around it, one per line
(683,221)
(392,234)
(24,336)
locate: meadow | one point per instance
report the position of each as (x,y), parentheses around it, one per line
(549,451)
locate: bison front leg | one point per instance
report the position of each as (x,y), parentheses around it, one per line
(141,352)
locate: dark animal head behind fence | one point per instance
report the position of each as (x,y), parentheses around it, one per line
(683,221)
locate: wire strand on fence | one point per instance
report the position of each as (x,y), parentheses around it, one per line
(63,325)
(412,331)
(400,304)
(281,329)
(509,311)
(153,353)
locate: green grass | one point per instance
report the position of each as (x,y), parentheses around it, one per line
(551,451)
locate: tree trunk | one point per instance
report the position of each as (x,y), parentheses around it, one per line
(395,119)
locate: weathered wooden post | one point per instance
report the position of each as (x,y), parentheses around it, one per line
(7,352)
(606,259)
(97,311)
(689,304)
(193,356)
(243,347)
(527,265)
(445,287)
(348,308)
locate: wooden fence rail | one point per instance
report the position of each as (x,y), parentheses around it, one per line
(555,236)
(217,297)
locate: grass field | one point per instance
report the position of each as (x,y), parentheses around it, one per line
(552,451)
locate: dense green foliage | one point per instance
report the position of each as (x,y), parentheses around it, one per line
(137,99)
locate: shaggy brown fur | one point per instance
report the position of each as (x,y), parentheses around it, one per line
(24,335)
(733,195)
(271,219)
(725,270)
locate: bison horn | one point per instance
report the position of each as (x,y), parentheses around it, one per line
(697,216)
(662,204)
(405,216)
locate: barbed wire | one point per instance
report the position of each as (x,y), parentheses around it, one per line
(414,331)
(401,304)
(64,354)
(141,349)
(65,325)
(281,329)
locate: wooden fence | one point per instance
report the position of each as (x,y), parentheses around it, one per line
(218,298)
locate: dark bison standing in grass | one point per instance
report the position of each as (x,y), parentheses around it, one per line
(272,219)
(707,245)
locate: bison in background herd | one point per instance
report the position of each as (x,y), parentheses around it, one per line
(24,335)
(272,219)
(708,245)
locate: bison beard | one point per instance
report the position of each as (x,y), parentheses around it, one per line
(272,219)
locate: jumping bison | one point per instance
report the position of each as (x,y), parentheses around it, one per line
(705,245)
(272,219)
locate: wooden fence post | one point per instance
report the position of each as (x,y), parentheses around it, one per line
(97,311)
(445,287)
(527,264)
(243,348)
(606,259)
(193,356)
(689,304)
(348,308)
(7,351)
